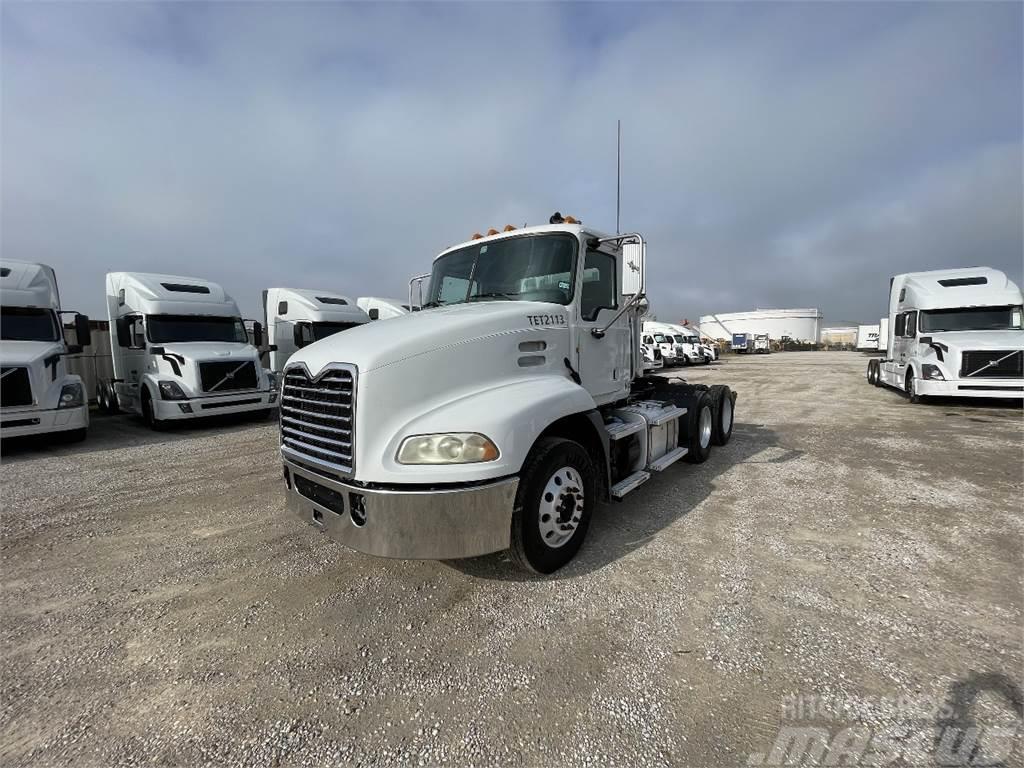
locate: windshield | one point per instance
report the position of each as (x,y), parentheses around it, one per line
(28,324)
(971,319)
(323,330)
(162,329)
(527,268)
(660,338)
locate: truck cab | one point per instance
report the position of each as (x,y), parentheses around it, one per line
(671,352)
(954,332)
(180,351)
(689,347)
(497,416)
(295,318)
(37,394)
(762,344)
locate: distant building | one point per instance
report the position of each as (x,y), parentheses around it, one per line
(803,325)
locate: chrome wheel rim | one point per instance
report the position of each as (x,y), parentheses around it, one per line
(561,507)
(705,427)
(726,414)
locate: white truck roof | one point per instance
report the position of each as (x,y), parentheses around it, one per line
(966,287)
(24,284)
(154,294)
(317,306)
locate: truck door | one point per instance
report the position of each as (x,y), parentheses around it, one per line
(603,363)
(131,341)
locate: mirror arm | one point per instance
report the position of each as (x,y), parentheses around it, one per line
(600,332)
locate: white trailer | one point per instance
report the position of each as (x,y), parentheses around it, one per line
(498,416)
(180,350)
(295,318)
(867,337)
(954,332)
(762,344)
(37,393)
(377,308)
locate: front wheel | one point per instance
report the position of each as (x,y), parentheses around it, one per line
(911,387)
(149,413)
(556,498)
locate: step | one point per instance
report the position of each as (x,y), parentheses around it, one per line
(623,487)
(673,413)
(623,429)
(668,459)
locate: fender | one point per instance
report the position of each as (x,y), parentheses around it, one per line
(512,414)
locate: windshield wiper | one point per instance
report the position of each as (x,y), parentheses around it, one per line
(493,295)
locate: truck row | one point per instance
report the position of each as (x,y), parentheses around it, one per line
(494,418)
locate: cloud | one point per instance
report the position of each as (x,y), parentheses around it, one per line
(788,155)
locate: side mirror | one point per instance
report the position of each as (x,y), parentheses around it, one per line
(124,338)
(257,335)
(74,349)
(82,331)
(374,314)
(302,335)
(634,258)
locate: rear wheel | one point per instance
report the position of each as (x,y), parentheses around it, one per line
(872,372)
(723,401)
(700,426)
(556,497)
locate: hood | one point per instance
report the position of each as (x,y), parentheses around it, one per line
(375,345)
(965,340)
(211,350)
(27,352)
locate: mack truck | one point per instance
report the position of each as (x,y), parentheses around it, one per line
(37,394)
(180,350)
(953,332)
(498,416)
(295,318)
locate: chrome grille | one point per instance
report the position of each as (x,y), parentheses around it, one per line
(318,415)
(15,388)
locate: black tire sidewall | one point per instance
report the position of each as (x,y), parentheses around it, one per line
(547,457)
(719,393)
(696,454)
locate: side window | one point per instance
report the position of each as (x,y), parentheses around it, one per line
(903,293)
(911,325)
(136,333)
(282,307)
(598,285)
(901,324)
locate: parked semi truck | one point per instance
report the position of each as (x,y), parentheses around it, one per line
(742,342)
(867,337)
(953,332)
(762,344)
(498,416)
(296,318)
(37,394)
(180,350)
(688,346)
(671,352)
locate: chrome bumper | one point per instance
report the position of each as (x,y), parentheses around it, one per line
(416,525)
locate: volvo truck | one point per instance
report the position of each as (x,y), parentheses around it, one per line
(296,318)
(953,332)
(37,394)
(498,416)
(180,351)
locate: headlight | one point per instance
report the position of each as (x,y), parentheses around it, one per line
(169,390)
(71,396)
(929,371)
(457,448)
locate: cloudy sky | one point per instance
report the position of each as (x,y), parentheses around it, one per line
(775,155)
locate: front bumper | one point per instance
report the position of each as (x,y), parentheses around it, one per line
(38,422)
(435,524)
(234,402)
(971,387)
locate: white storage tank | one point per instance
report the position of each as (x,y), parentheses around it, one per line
(803,325)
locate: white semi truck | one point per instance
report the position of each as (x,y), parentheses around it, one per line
(671,353)
(498,416)
(295,318)
(180,350)
(689,349)
(954,332)
(762,344)
(37,394)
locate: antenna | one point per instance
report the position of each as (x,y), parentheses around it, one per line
(618,172)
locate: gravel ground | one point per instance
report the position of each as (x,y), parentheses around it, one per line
(848,549)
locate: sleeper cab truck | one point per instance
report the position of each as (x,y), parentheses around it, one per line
(497,416)
(953,332)
(742,343)
(37,394)
(295,318)
(180,351)
(671,353)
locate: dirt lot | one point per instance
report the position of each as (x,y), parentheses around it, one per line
(159,605)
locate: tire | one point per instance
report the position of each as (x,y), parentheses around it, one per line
(149,413)
(872,375)
(542,514)
(699,427)
(911,388)
(724,402)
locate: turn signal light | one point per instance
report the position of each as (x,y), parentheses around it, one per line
(476,236)
(492,231)
(571,220)
(509,228)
